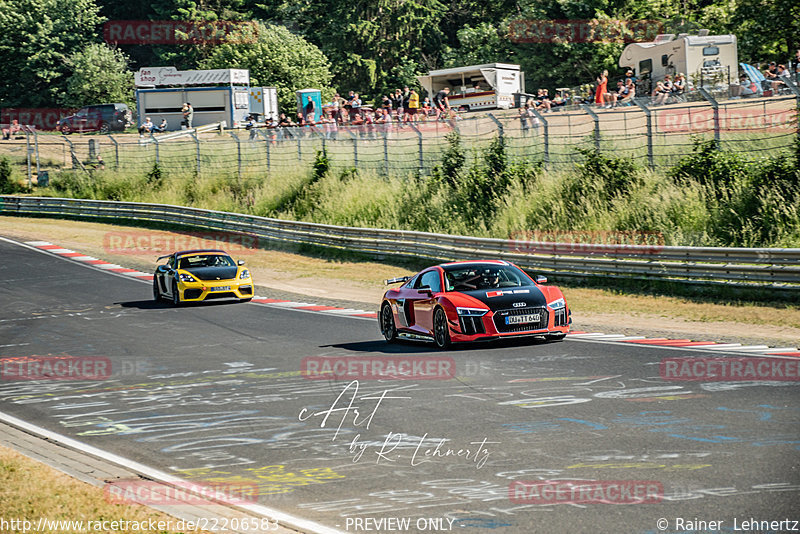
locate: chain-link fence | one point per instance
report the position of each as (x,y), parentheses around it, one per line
(654,136)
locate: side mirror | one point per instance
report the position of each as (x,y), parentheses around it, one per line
(541,279)
(162,268)
(426,290)
(240,262)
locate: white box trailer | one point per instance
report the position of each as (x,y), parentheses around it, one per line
(229,102)
(264,102)
(704,59)
(497,83)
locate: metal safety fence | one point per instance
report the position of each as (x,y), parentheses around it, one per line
(654,136)
(773,268)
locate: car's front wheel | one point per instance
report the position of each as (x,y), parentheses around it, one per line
(65,129)
(156,292)
(176,296)
(388,328)
(104,128)
(441,331)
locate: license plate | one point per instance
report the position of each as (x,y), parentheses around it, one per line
(221,288)
(523,319)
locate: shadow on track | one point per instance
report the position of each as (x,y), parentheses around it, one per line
(421,347)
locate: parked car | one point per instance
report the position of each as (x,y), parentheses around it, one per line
(103,118)
(473,301)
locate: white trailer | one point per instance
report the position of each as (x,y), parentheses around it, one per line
(496,85)
(264,102)
(704,59)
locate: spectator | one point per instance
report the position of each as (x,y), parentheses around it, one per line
(385,117)
(251,125)
(441,102)
(523,117)
(310,109)
(795,66)
(628,94)
(188,115)
(406,98)
(301,120)
(341,104)
(679,85)
(161,127)
(610,97)
(659,94)
(782,72)
(744,88)
(771,77)
(386,103)
(284,121)
(398,104)
(426,108)
(542,101)
(146,127)
(602,89)
(12,129)
(413,106)
(355,106)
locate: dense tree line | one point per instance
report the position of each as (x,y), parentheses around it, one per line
(52,51)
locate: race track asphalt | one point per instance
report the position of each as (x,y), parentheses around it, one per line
(214,392)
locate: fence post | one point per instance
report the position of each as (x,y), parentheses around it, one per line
(156,141)
(647,114)
(238,155)
(355,147)
(596,120)
(116,152)
(28,156)
(299,149)
(499,125)
(386,149)
(419,142)
(197,151)
(796,90)
(267,140)
(36,144)
(715,106)
(546,132)
(75,162)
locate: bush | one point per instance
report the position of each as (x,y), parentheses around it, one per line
(8,184)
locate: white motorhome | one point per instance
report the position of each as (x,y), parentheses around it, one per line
(704,59)
(475,87)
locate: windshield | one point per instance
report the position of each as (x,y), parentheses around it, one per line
(483,276)
(206,260)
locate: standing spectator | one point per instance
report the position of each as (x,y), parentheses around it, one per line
(602,89)
(309,109)
(441,103)
(251,125)
(188,115)
(386,103)
(406,98)
(523,117)
(426,108)
(398,104)
(355,106)
(795,66)
(413,106)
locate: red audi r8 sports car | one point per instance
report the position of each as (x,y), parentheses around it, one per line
(471,301)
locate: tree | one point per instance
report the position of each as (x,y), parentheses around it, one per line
(278,58)
(99,74)
(36,37)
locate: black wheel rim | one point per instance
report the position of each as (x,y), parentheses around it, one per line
(175,298)
(440,328)
(387,323)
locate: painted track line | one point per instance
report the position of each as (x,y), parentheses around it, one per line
(46,247)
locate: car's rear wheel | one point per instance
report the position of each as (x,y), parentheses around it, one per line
(156,292)
(388,328)
(104,128)
(441,331)
(176,296)
(65,129)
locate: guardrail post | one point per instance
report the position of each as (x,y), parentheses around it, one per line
(648,115)
(116,152)
(715,106)
(238,155)
(596,120)
(299,148)
(796,90)
(419,143)
(36,145)
(386,152)
(546,133)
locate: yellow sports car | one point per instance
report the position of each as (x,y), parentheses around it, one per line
(197,275)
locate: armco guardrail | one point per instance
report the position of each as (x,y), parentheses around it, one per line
(769,267)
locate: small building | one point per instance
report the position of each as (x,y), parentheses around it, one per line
(215,95)
(476,87)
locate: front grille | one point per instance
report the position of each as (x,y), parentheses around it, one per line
(560,317)
(500,320)
(192,293)
(220,295)
(472,324)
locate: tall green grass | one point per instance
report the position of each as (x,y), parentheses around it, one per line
(712,197)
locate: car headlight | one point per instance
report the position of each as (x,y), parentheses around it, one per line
(185,277)
(557,304)
(244,274)
(472,311)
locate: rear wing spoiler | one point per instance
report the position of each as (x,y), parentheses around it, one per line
(397,280)
(162,257)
